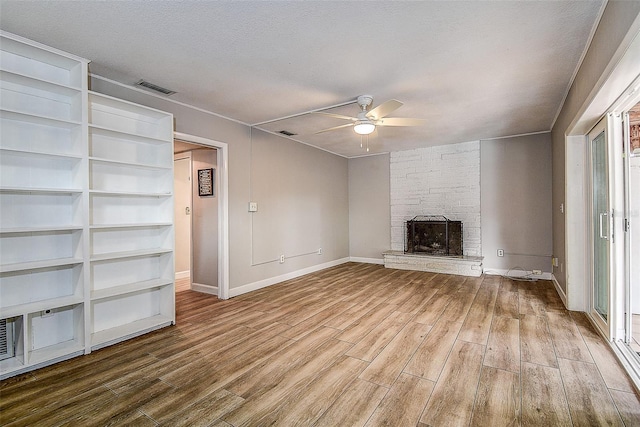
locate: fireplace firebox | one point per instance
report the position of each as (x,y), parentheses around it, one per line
(434,235)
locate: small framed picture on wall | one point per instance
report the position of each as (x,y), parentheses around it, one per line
(206,182)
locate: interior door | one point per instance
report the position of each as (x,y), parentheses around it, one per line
(601,230)
(182,215)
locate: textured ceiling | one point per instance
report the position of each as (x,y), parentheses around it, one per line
(472,69)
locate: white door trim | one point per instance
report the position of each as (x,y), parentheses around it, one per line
(223,207)
(185,274)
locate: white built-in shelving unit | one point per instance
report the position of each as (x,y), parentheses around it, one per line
(86,211)
(131,219)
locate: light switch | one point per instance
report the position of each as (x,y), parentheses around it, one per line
(253,207)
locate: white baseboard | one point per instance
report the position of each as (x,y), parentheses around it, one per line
(183,274)
(234,292)
(205,289)
(518,273)
(367,260)
(560,292)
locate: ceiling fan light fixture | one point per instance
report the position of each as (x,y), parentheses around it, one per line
(364,127)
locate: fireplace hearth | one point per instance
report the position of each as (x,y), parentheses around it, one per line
(433,235)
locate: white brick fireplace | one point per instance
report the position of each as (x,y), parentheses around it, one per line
(442,180)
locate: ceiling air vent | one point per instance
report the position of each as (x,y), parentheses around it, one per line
(150,86)
(287,133)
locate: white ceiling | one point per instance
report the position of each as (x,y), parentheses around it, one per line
(473,70)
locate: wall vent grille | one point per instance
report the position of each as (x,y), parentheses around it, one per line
(150,86)
(6,339)
(287,133)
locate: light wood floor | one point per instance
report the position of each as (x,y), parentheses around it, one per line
(353,345)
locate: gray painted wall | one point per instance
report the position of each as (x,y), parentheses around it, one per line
(613,27)
(204,222)
(369,207)
(295,163)
(515,175)
(303,203)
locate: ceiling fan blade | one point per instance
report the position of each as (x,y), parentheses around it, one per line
(337,116)
(384,109)
(401,121)
(333,128)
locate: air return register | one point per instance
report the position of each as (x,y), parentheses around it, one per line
(7,344)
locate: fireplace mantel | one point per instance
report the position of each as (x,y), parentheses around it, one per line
(460,265)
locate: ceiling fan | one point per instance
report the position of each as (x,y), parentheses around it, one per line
(367,120)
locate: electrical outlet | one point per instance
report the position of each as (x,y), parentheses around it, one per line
(320,251)
(500,252)
(253,207)
(537,272)
(554,261)
(281,259)
(46,313)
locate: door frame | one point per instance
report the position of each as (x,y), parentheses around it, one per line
(223,206)
(177,157)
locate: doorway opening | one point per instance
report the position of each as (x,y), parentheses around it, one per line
(201,215)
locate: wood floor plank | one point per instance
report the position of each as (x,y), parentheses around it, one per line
(306,407)
(433,308)
(264,400)
(387,366)
(508,285)
(458,307)
(309,311)
(16,408)
(124,408)
(431,356)
(237,358)
(535,341)
(503,346)
(543,397)
(421,294)
(587,395)
(451,403)
(478,321)
(612,373)
(529,301)
(354,407)
(62,410)
(404,403)
(205,411)
(365,324)
(498,399)
(507,304)
(375,341)
(181,358)
(289,359)
(628,405)
(566,337)
(136,419)
(319,319)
